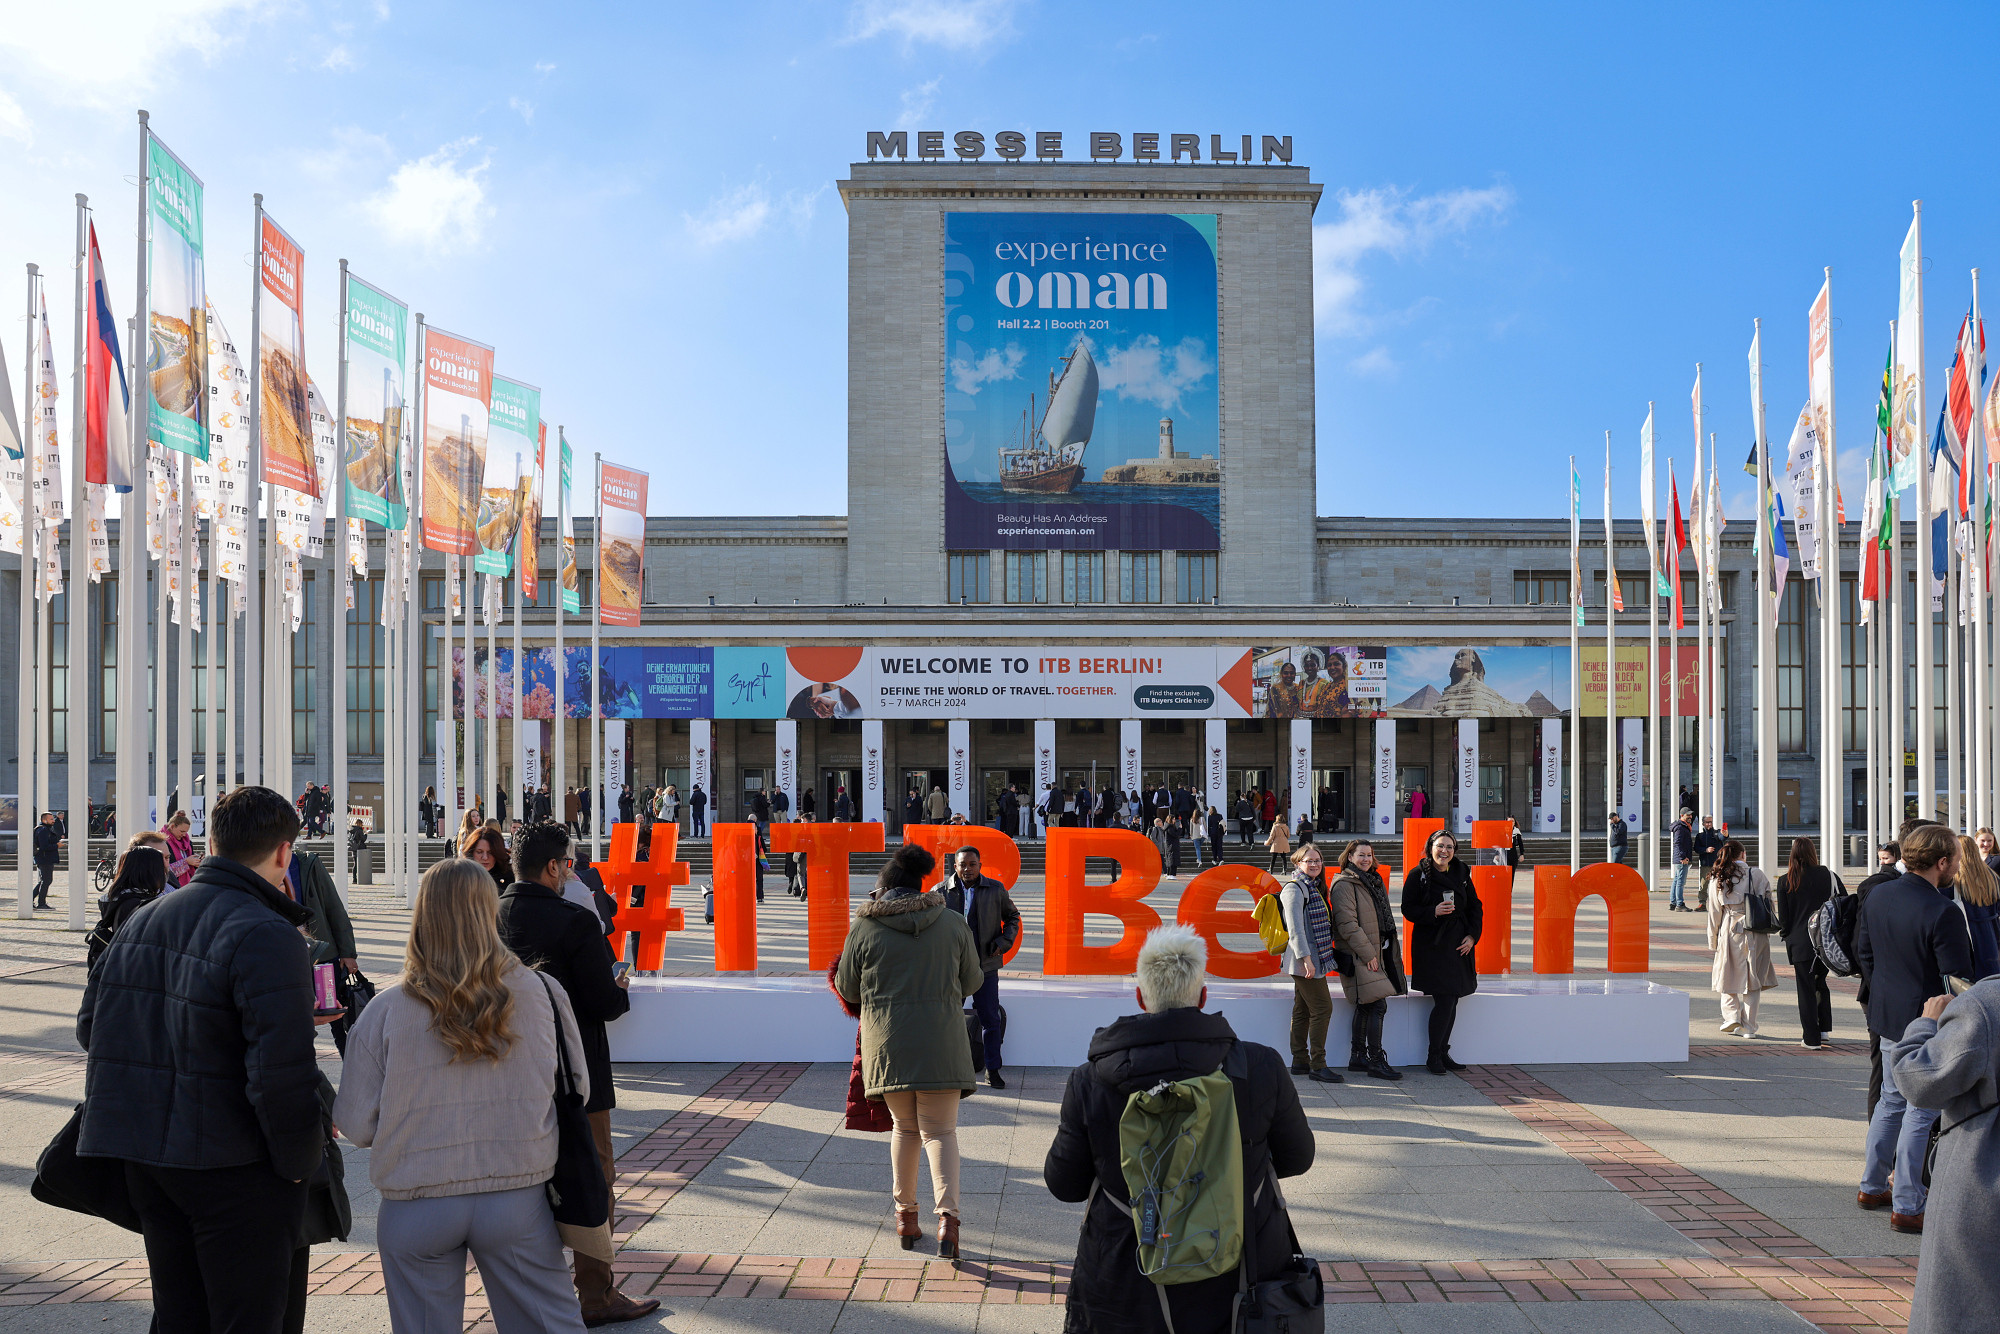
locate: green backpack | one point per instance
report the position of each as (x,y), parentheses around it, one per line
(1180,1147)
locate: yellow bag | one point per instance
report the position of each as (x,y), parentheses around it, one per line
(1270,918)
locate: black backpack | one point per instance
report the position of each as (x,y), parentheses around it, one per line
(116,913)
(1832,931)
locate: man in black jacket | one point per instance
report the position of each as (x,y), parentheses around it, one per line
(566,942)
(1707,844)
(1172,1040)
(48,849)
(201,1075)
(1888,856)
(1909,938)
(697,813)
(1682,856)
(996,924)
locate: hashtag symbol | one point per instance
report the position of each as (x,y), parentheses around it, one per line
(622,874)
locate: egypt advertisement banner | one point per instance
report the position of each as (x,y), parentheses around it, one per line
(177,352)
(284,417)
(510,454)
(636,682)
(458,384)
(377,347)
(1631,689)
(1081,397)
(621,544)
(530,541)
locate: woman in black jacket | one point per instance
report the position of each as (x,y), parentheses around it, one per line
(1803,890)
(1443,909)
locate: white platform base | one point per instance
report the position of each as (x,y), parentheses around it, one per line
(1510,1021)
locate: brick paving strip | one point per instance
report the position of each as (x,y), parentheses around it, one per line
(1751,1256)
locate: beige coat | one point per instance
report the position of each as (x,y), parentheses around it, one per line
(1357,928)
(1278,841)
(1742,959)
(440,1127)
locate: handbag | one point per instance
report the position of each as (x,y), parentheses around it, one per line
(94,1186)
(578,1194)
(1938,1131)
(1292,1303)
(1759,917)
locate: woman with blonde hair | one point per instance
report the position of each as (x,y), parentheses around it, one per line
(1977,887)
(180,853)
(1311,957)
(1741,970)
(450,1082)
(1278,843)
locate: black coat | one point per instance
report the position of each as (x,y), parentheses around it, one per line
(199,1024)
(1438,968)
(47,836)
(1107,1293)
(697,801)
(1683,845)
(1707,843)
(1796,906)
(1908,938)
(567,942)
(1616,838)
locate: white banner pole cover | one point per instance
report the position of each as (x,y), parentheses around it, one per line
(1300,767)
(1382,822)
(1633,777)
(1128,755)
(1548,816)
(614,766)
(1467,774)
(787,754)
(1215,764)
(873,774)
(958,766)
(531,756)
(701,758)
(447,783)
(1045,760)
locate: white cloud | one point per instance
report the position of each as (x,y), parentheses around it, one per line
(744,212)
(958,25)
(524,107)
(544,67)
(338,59)
(105,51)
(998,364)
(917,103)
(1146,371)
(437,200)
(1387,221)
(14,121)
(1375,361)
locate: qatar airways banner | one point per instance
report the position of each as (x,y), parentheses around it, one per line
(1082,407)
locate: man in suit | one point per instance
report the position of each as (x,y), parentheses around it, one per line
(996,925)
(1910,937)
(1616,835)
(1181,807)
(48,849)
(1890,867)
(697,812)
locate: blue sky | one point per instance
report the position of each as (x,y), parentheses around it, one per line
(1536,218)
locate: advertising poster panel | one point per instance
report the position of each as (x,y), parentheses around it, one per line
(1081,395)
(284,418)
(566,540)
(1632,681)
(377,351)
(980,681)
(1466,681)
(529,544)
(458,389)
(621,544)
(510,449)
(177,292)
(1318,681)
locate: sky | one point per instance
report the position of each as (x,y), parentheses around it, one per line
(1536,219)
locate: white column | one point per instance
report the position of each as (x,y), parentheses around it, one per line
(1128,756)
(1548,767)
(1045,761)
(1382,819)
(786,752)
(701,761)
(1632,785)
(958,766)
(1215,764)
(447,760)
(874,773)
(614,768)
(1299,769)
(1465,769)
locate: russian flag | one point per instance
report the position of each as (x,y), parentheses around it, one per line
(107,448)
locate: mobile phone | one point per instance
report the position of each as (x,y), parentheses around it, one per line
(619,970)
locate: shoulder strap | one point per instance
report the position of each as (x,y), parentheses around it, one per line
(565,1077)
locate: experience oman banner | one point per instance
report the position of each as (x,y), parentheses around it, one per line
(1081,401)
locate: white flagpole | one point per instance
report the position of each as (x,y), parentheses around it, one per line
(184,659)
(598,795)
(1833,742)
(526,547)
(1656,808)
(133,695)
(78,696)
(1673,564)
(1925,741)
(1718,746)
(32,699)
(1982,640)
(559,725)
(1611,748)
(1769,592)
(1704,792)
(156,686)
(250,669)
(1575,672)
(412,638)
(492,772)
(337,613)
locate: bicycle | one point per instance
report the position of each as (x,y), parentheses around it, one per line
(105,873)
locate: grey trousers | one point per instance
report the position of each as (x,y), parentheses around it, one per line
(512,1237)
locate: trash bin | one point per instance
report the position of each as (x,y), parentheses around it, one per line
(363,865)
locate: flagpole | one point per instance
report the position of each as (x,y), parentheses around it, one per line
(1656,808)
(525,548)
(1718,747)
(492,772)
(1982,639)
(31,768)
(1611,598)
(1674,653)
(1925,726)
(1900,743)
(413,649)
(1833,744)
(133,702)
(77,740)
(156,686)
(1769,592)
(338,613)
(597,799)
(1575,671)
(1704,793)
(559,725)
(251,671)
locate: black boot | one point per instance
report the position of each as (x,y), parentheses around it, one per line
(1449,1064)
(1357,1053)
(1376,1063)
(1436,1063)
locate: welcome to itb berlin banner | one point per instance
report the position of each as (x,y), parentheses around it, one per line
(458,387)
(177,360)
(377,348)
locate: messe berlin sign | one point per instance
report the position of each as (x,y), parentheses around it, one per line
(1103,146)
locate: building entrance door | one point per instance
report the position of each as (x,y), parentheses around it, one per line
(827,801)
(1409,778)
(1788,803)
(992,782)
(923,780)
(1330,800)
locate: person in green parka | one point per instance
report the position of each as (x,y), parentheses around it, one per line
(909,964)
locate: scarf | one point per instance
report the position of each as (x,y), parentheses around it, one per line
(1319,925)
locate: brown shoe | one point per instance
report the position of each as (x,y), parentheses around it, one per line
(618,1308)
(1867,1201)
(947,1236)
(907,1228)
(1906,1222)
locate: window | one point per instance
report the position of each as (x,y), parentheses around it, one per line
(1138,576)
(1027,576)
(432,588)
(1324,725)
(1166,726)
(969,576)
(837,726)
(106,594)
(1086,727)
(1195,576)
(1083,576)
(1791,685)
(1939,718)
(1633,586)
(1853,668)
(58,659)
(927,727)
(1493,783)
(1006,726)
(546,589)
(1691,592)
(214,588)
(366,664)
(1541,588)
(305,716)
(1240,726)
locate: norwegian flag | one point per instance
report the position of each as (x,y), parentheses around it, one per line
(107,438)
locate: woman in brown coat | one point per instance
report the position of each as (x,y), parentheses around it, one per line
(1369,974)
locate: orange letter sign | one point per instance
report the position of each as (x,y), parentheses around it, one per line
(1416,833)
(1069,898)
(826,847)
(734,848)
(1557,895)
(999,858)
(651,920)
(1201,909)
(1495,884)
